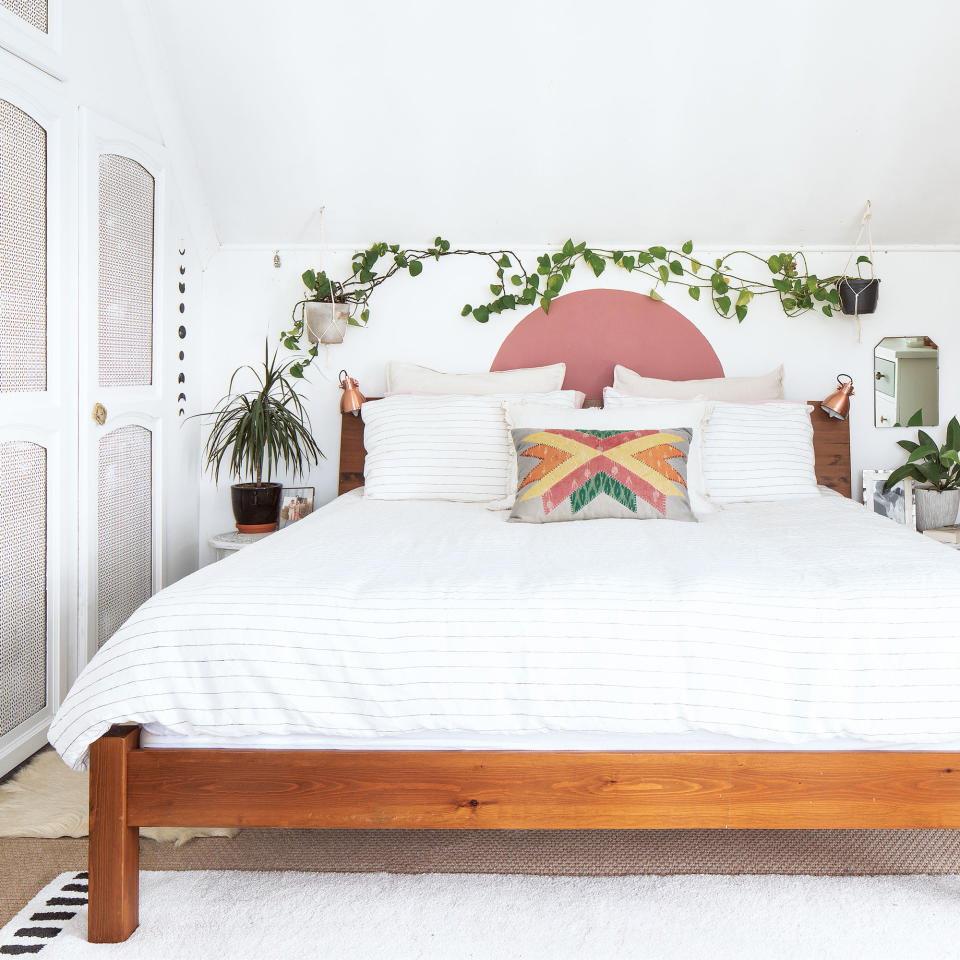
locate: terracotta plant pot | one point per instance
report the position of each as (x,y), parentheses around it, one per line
(256,506)
(935,508)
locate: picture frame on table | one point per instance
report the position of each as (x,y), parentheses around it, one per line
(295,504)
(897,503)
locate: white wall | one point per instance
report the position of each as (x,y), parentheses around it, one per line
(245,299)
(528,120)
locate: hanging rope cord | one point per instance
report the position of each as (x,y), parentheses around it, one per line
(864,226)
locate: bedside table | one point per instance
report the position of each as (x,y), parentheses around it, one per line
(232,541)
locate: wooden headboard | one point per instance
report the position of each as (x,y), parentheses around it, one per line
(831,446)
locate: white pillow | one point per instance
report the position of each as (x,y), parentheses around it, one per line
(411,378)
(730,389)
(759,451)
(442,447)
(623,413)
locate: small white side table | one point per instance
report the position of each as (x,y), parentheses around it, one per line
(233,540)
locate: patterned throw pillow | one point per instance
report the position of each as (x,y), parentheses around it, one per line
(594,474)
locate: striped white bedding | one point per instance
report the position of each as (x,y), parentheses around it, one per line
(788,623)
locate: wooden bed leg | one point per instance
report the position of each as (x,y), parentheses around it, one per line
(114,845)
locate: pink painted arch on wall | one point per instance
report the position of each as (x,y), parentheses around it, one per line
(592,330)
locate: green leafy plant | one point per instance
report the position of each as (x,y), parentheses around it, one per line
(731,281)
(261,427)
(934,466)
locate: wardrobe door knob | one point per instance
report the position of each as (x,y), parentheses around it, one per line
(100,413)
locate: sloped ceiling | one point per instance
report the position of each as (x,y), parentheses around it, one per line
(521,121)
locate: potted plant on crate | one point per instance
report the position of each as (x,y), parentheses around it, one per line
(936,471)
(261,428)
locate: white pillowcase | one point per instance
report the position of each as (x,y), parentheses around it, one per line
(694,413)
(629,413)
(729,389)
(442,447)
(412,378)
(759,451)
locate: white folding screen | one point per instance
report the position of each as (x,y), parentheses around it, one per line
(33,12)
(121,191)
(37,416)
(23,251)
(125,265)
(33,31)
(23,370)
(23,582)
(124,526)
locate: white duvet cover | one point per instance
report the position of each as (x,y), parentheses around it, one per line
(411,622)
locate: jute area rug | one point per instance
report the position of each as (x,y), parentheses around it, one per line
(241,916)
(25,865)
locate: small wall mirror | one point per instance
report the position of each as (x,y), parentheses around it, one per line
(906,382)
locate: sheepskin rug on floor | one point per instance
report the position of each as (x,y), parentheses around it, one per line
(47,799)
(382,916)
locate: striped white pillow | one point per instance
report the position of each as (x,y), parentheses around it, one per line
(442,447)
(761,451)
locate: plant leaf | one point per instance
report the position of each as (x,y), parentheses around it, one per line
(694,292)
(415,267)
(687,247)
(916,420)
(654,295)
(953,434)
(901,473)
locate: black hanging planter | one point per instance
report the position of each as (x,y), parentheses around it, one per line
(857,295)
(256,506)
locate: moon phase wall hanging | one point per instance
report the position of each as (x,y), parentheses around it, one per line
(182,330)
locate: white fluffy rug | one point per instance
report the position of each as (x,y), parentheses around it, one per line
(48,799)
(313,916)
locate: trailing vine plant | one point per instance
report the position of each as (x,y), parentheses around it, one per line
(731,288)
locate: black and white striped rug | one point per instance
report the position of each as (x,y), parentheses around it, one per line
(59,903)
(206,915)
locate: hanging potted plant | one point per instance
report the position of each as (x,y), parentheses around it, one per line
(936,474)
(261,429)
(327,312)
(859,294)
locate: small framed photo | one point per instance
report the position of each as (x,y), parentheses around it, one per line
(896,503)
(296,503)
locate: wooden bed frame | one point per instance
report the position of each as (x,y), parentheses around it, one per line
(503,790)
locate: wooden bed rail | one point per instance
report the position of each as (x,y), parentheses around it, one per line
(501,790)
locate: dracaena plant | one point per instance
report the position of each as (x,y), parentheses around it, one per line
(731,281)
(929,464)
(261,428)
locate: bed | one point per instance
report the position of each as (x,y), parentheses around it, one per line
(460,672)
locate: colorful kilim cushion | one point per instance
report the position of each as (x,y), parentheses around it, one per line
(593,474)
